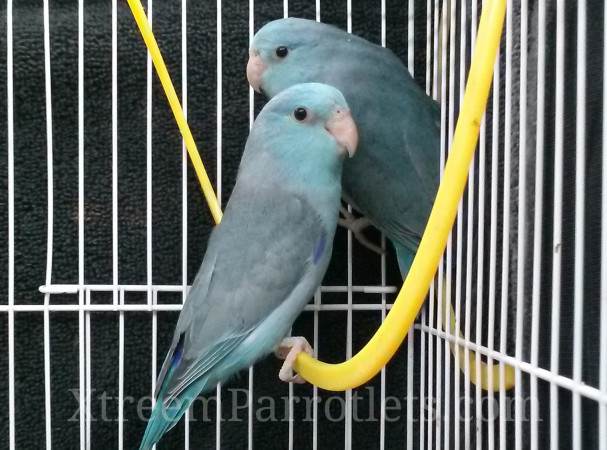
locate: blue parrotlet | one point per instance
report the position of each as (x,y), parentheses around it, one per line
(394,177)
(267,256)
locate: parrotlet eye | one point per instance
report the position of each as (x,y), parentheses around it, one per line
(282,51)
(300,114)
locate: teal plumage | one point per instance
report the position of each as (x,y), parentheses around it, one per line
(394,177)
(265,259)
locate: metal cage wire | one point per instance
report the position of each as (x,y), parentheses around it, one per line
(494,266)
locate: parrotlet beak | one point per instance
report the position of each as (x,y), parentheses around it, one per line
(342,127)
(255,68)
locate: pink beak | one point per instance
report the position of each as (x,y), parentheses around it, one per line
(342,127)
(255,68)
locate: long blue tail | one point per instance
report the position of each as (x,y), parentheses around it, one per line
(165,417)
(405,259)
(404,256)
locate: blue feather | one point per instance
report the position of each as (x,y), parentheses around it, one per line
(404,256)
(178,353)
(256,275)
(320,248)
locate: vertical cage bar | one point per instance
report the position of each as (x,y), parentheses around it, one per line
(422,379)
(431,339)
(348,394)
(148,164)
(81,343)
(459,269)
(121,373)
(429,47)
(218,418)
(411,332)
(114,153)
(184,201)
(603,344)
(493,246)
(11,223)
(184,179)
(251,34)
(219,104)
(382,412)
(505,226)
(317,301)
(250,407)
(410,392)
(433,297)
(115,280)
(219,113)
(480,248)
(411,36)
(580,187)
(441,291)
(49,237)
(184,154)
(469,240)
(87,353)
(435,39)
(450,9)
(154,346)
(521,227)
(148,145)
(382,415)
(479,281)
(424,320)
(557,220)
(538,220)
(290,414)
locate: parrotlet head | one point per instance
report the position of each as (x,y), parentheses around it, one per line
(288,51)
(316,119)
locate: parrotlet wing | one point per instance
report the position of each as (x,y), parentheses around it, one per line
(395,174)
(251,267)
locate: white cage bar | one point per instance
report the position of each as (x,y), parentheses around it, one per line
(497,284)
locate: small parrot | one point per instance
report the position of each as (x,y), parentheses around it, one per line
(394,177)
(267,256)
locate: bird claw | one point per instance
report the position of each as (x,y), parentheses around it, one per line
(288,350)
(356,225)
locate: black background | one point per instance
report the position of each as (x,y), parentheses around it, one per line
(31,221)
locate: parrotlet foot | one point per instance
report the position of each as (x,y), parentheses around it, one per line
(288,350)
(357,225)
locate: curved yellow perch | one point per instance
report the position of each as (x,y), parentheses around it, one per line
(372,357)
(487,381)
(182,123)
(368,362)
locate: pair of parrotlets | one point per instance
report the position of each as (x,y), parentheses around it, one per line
(332,95)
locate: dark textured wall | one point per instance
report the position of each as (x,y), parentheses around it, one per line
(31,216)
(31,222)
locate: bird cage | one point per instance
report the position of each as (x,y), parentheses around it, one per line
(106,227)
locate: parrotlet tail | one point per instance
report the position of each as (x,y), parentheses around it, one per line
(489,377)
(165,416)
(404,256)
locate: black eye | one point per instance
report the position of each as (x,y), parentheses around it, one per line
(300,114)
(282,51)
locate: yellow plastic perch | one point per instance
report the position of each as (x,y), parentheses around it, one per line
(372,357)
(377,352)
(182,123)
